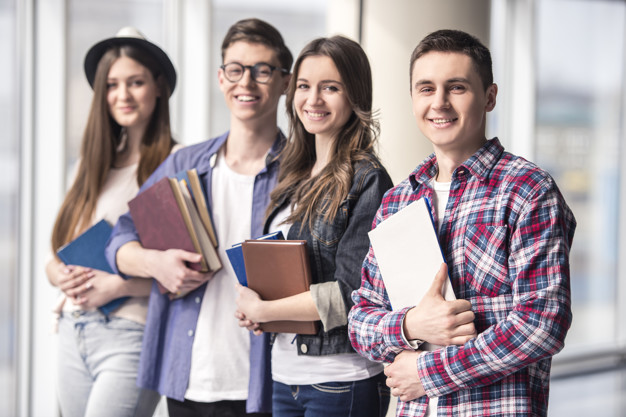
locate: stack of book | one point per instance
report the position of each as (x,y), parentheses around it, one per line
(173,214)
(275,268)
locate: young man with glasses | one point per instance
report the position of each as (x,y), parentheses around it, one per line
(194,352)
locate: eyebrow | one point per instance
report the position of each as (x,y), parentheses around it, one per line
(256,63)
(322,81)
(448,81)
(130,77)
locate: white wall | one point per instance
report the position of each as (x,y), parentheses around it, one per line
(391,30)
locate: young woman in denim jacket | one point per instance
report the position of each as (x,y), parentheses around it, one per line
(330,186)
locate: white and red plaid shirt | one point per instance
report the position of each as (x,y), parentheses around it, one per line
(506,237)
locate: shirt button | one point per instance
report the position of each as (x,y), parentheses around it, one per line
(197,300)
(304,348)
(190,333)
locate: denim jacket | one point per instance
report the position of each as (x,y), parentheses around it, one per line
(337,248)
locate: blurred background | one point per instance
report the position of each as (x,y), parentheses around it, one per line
(560,69)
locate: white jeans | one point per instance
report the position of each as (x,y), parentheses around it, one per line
(98,362)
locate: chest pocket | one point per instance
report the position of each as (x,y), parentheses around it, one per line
(329,234)
(485,266)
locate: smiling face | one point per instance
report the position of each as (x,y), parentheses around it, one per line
(131,93)
(450,102)
(247,100)
(320,98)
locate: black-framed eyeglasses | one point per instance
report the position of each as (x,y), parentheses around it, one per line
(261,72)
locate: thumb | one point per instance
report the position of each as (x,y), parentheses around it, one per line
(436,288)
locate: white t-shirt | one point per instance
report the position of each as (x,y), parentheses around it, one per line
(119,187)
(440,197)
(220,353)
(292,369)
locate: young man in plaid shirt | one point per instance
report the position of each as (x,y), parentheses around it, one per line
(505,231)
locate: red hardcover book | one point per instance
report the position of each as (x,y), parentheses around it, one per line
(160,223)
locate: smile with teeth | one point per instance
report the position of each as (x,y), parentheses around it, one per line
(442,121)
(316,115)
(246,98)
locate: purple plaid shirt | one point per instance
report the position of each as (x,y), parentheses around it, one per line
(506,236)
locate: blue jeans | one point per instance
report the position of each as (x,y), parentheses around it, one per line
(98,362)
(366,398)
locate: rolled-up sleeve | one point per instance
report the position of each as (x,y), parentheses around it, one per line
(329,304)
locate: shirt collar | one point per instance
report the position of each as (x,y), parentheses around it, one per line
(210,157)
(478,165)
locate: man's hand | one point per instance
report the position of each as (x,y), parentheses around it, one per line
(402,376)
(170,269)
(438,321)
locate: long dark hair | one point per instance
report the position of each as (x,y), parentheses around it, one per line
(99,143)
(323,194)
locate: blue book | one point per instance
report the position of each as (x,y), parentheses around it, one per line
(235,256)
(88,250)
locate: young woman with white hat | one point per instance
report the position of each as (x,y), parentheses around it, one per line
(127,136)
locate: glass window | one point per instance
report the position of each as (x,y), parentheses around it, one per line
(298,22)
(599,394)
(9,202)
(83,32)
(579,105)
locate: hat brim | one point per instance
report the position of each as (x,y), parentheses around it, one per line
(95,54)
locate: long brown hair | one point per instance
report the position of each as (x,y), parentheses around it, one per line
(99,143)
(322,194)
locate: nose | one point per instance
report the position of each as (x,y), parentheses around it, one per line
(314,97)
(246,78)
(441,99)
(123,92)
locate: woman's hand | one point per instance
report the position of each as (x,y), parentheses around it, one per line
(73,280)
(100,289)
(249,305)
(248,324)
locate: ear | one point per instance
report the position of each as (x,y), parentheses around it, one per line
(286,79)
(491,93)
(220,78)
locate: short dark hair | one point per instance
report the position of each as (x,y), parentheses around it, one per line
(448,40)
(258,31)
